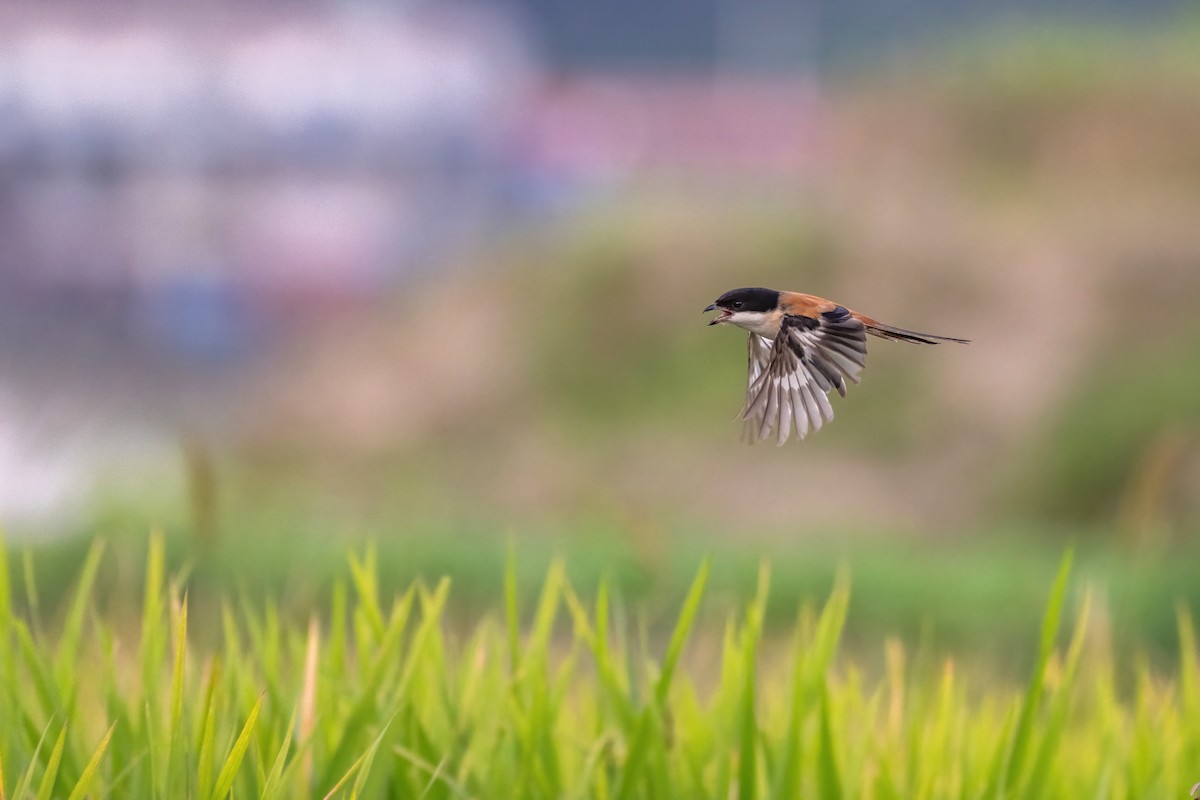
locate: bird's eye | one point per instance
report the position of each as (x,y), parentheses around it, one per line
(737,303)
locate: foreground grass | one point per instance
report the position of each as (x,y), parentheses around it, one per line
(564,697)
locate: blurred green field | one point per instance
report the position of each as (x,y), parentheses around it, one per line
(976,595)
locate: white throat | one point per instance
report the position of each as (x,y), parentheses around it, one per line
(764,323)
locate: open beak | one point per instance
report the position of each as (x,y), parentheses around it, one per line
(724,315)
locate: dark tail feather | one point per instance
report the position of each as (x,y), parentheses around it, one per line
(901,335)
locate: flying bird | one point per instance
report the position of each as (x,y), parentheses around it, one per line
(800,347)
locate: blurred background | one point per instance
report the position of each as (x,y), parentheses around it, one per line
(286,278)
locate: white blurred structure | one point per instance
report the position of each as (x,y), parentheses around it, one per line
(195,171)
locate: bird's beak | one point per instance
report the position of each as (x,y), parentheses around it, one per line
(724,315)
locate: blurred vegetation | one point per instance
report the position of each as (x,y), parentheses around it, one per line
(1126,443)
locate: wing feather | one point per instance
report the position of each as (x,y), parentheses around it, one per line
(789,378)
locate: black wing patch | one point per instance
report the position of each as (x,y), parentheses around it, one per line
(789,378)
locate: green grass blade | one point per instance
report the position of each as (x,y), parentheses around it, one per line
(21,790)
(50,776)
(546,613)
(679,636)
(176,736)
(810,663)
(368,758)
(208,715)
(84,784)
(648,721)
(297,771)
(66,660)
(614,680)
(361,766)
(271,786)
(1053,727)
(233,762)
(747,779)
(1017,749)
(335,651)
(425,635)
(363,576)
(829,778)
(153,641)
(635,761)
(40,671)
(367,705)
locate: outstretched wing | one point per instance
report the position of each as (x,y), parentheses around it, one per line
(789,379)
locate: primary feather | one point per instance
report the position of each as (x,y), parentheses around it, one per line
(789,378)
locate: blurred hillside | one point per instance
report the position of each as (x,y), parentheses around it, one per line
(1035,198)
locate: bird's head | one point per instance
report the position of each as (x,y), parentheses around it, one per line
(746,308)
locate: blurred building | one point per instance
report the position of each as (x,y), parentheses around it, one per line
(183,175)
(186,175)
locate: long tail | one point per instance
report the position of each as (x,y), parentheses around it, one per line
(876,328)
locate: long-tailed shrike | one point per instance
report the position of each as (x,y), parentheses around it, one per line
(801,346)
